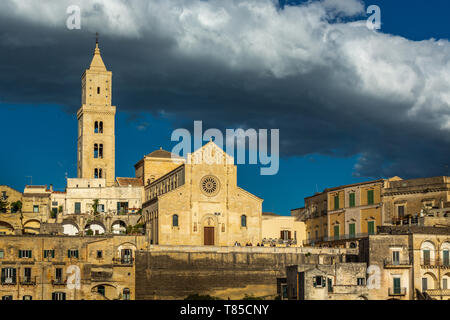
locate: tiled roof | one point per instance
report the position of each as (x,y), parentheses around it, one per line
(125,182)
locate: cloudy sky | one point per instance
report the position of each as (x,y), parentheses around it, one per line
(351,103)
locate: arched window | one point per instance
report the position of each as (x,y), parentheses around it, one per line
(126,294)
(427,253)
(101,290)
(98,173)
(95,151)
(175,220)
(100,127)
(96,127)
(243,220)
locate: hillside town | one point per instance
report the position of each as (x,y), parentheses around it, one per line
(181,228)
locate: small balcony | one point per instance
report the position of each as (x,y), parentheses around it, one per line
(59,282)
(438,292)
(28,281)
(123,261)
(397,264)
(397,292)
(428,263)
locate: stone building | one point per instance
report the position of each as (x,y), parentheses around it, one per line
(408,199)
(117,207)
(327,280)
(198,202)
(39,267)
(280,230)
(9,196)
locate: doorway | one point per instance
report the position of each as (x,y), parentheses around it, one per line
(209,236)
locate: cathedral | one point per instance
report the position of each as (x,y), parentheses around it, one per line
(184,202)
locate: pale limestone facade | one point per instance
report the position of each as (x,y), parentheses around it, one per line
(282,230)
(96,117)
(199,203)
(106,264)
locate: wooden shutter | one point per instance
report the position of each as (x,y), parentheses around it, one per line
(45,253)
(289,235)
(281,234)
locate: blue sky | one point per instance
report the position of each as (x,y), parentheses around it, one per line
(39,139)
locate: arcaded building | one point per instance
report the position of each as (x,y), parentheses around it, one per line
(199,202)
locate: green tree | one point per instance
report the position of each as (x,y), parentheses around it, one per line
(95,207)
(16,206)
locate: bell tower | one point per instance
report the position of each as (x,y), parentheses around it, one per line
(96,117)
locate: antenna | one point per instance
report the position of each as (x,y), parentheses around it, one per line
(96,37)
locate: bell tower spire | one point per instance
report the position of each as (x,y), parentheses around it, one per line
(96,123)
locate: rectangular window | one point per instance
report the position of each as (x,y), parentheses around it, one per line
(27,298)
(77,207)
(396,257)
(352,201)
(58,296)
(424,284)
(330,284)
(58,274)
(49,253)
(99,254)
(8,275)
(445,258)
(336,202)
(25,254)
(7,297)
(2,254)
(27,275)
(444,284)
(72,253)
(370,197)
(127,256)
(397,287)
(401,211)
(352,229)
(336,232)
(371,227)
(426,257)
(36,209)
(361,281)
(318,281)
(122,207)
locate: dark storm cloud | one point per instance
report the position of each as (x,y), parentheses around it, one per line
(332,89)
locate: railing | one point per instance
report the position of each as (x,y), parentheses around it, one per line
(397,291)
(274,242)
(390,263)
(405,221)
(8,281)
(27,281)
(59,282)
(428,262)
(123,260)
(438,292)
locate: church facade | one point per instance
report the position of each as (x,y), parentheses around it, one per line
(199,202)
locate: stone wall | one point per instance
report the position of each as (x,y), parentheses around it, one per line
(164,272)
